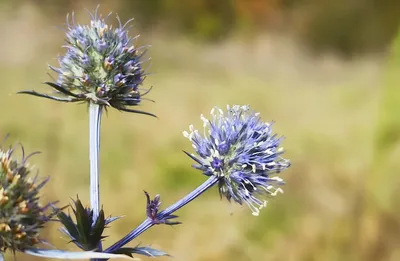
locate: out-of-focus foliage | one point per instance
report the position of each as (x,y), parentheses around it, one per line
(344,26)
(349,26)
(388,135)
(208,19)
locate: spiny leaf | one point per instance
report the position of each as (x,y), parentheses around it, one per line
(34,93)
(62,90)
(83,222)
(136,111)
(68,224)
(98,228)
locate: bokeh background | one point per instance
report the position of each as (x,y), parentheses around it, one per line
(325,71)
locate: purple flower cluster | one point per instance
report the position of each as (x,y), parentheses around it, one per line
(101,65)
(240,149)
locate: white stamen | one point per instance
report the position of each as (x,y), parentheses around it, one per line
(269,151)
(215,153)
(277,179)
(205,120)
(276,192)
(255,210)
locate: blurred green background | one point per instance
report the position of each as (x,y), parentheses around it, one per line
(325,71)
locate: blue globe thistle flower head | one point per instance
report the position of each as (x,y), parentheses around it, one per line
(100,65)
(239,148)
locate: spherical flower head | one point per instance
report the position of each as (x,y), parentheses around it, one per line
(100,65)
(21,215)
(240,149)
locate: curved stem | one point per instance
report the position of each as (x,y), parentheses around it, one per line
(168,211)
(95,111)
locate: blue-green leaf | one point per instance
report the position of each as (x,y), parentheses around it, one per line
(60,254)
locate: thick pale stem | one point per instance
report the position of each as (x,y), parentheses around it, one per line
(1,257)
(95,111)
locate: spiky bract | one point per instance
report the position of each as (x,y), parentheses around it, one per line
(86,231)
